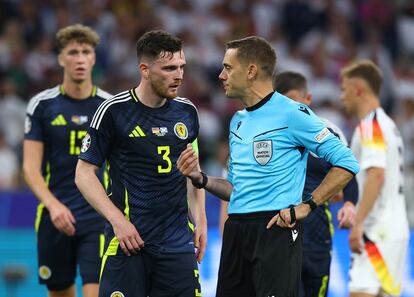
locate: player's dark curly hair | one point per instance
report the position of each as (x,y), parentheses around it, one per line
(157,42)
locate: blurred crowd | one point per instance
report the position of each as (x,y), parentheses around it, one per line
(313,37)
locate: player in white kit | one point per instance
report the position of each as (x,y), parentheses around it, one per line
(379,239)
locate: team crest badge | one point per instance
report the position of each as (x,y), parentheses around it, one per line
(27,125)
(262,151)
(86,143)
(180,130)
(44,272)
(117,294)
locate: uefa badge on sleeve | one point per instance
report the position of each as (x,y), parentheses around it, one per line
(86,143)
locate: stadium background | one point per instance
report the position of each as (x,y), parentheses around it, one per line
(314,37)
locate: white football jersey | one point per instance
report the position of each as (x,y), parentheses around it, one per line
(377,143)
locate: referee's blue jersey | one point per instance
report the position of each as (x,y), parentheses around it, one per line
(269,146)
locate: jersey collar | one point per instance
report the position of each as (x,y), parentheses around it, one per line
(260,103)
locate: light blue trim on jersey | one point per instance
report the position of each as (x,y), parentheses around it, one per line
(269,147)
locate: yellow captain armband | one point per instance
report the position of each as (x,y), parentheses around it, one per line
(194,145)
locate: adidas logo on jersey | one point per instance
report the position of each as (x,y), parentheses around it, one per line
(59,121)
(137,132)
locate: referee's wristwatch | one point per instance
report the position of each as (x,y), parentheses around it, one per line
(312,204)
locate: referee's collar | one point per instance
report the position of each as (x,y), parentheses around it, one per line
(260,103)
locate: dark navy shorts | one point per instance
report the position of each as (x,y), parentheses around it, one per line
(259,262)
(315,273)
(148,273)
(59,254)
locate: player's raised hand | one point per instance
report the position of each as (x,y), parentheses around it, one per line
(187,163)
(347,215)
(129,239)
(62,218)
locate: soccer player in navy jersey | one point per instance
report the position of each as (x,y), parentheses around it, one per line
(269,143)
(141,132)
(317,227)
(69,230)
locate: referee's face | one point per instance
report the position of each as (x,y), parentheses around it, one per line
(233,75)
(166,74)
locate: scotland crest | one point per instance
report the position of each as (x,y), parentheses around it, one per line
(262,151)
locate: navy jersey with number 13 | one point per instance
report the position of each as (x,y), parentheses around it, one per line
(61,122)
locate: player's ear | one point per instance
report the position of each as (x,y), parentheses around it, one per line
(251,71)
(144,70)
(308,98)
(60,60)
(359,86)
(94,59)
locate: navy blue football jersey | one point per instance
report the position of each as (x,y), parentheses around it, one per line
(142,145)
(61,122)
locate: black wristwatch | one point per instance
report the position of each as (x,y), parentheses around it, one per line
(203,181)
(311,203)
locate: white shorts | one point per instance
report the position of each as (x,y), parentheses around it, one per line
(379,268)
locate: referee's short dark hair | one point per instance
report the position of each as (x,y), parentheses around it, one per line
(257,50)
(157,42)
(286,81)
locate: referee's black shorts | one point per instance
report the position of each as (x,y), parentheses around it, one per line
(259,262)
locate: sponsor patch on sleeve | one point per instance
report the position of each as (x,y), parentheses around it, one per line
(322,135)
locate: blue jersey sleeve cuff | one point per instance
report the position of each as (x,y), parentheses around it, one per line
(347,169)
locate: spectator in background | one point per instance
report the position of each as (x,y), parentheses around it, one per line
(9,168)
(12,113)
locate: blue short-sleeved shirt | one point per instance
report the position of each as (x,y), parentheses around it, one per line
(269,146)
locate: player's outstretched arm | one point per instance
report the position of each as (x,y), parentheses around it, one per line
(188,165)
(62,218)
(196,201)
(91,188)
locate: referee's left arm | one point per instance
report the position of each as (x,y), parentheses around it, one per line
(309,131)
